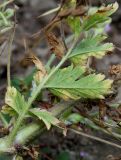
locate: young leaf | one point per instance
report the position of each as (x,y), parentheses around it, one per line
(100,16)
(69,83)
(74,118)
(90,47)
(5,19)
(15,100)
(46,117)
(74,23)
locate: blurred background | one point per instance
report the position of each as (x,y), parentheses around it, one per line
(54,145)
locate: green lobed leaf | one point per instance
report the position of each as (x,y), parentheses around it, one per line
(92,21)
(100,16)
(15,100)
(46,117)
(9,13)
(70,83)
(90,46)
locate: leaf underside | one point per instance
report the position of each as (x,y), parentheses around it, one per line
(15,100)
(46,117)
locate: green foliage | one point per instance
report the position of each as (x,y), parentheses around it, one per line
(5,18)
(15,100)
(74,118)
(67,84)
(46,117)
(75,24)
(100,16)
(90,46)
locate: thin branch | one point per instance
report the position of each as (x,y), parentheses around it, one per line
(103,127)
(9,58)
(49,12)
(10,53)
(54,20)
(95,138)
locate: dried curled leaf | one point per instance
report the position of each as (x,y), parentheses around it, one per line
(39,65)
(70,8)
(41,71)
(115,70)
(109,10)
(56,45)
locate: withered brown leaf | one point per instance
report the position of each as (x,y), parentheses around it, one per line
(79,11)
(102,110)
(115,69)
(40,67)
(105,9)
(37,63)
(56,45)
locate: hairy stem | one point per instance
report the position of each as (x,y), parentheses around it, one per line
(32,130)
(35,94)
